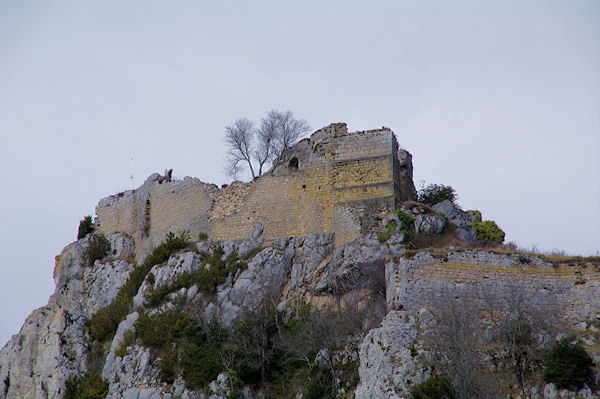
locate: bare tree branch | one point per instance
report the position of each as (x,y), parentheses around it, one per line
(266,138)
(239,137)
(247,145)
(290,130)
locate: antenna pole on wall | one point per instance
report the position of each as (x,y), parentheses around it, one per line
(131,173)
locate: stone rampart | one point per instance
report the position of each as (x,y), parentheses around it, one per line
(415,283)
(333,182)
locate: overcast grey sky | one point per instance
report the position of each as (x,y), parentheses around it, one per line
(500,100)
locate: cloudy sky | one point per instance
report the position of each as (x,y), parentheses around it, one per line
(500,100)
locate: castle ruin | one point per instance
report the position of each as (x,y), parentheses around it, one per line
(333,182)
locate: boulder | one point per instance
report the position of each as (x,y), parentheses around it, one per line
(457,217)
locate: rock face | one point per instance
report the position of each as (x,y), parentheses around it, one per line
(51,345)
(53,342)
(388,359)
(459,218)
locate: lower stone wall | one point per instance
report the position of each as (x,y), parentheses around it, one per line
(416,283)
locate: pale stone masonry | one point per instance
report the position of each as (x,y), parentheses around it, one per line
(333,182)
(415,283)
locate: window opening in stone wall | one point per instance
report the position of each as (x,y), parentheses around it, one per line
(293,163)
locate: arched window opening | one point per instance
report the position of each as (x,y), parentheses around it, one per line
(293,163)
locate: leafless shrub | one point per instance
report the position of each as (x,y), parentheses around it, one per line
(512,322)
(453,340)
(523,322)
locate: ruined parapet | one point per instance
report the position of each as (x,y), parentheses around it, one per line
(157,207)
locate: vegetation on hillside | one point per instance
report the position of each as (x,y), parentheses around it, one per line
(88,386)
(103,324)
(86,226)
(568,365)
(436,193)
(488,231)
(98,248)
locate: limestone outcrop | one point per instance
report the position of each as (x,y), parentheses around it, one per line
(51,345)
(54,342)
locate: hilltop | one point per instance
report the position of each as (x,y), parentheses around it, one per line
(329,276)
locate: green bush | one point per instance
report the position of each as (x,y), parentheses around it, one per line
(435,387)
(202,236)
(207,280)
(390,230)
(406,221)
(568,365)
(99,248)
(158,295)
(488,231)
(319,384)
(181,343)
(436,193)
(128,340)
(262,350)
(103,324)
(86,226)
(88,386)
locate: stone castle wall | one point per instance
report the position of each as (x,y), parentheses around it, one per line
(416,283)
(333,182)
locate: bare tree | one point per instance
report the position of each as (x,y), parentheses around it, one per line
(517,320)
(239,137)
(260,147)
(266,139)
(454,338)
(523,322)
(290,130)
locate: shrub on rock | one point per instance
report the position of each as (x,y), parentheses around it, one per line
(488,231)
(435,387)
(88,386)
(99,248)
(86,226)
(568,365)
(436,193)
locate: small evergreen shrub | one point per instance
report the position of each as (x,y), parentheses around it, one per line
(202,236)
(390,230)
(436,193)
(181,343)
(128,340)
(206,280)
(209,280)
(568,365)
(319,386)
(435,387)
(477,215)
(488,231)
(98,248)
(88,386)
(406,221)
(86,226)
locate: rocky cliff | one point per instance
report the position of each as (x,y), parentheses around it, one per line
(374,341)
